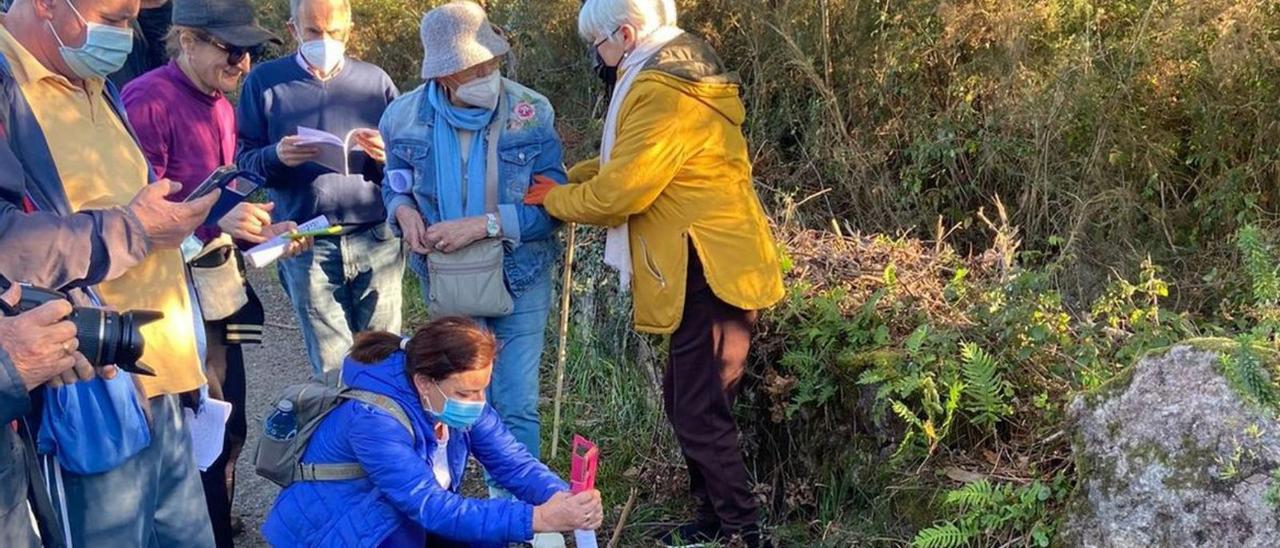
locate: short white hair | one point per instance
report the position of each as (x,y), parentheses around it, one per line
(295,6)
(600,18)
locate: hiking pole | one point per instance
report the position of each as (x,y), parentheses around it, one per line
(566,291)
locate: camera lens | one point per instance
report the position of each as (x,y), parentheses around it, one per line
(128,342)
(111,338)
(90,324)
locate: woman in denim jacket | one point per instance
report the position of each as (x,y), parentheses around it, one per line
(436,137)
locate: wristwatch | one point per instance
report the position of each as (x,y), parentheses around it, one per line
(491,226)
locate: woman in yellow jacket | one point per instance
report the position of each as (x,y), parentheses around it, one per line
(688,234)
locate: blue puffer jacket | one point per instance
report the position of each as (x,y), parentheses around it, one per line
(399,501)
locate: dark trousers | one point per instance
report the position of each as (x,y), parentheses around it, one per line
(219,479)
(707,359)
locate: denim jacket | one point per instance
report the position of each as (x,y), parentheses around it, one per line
(528,145)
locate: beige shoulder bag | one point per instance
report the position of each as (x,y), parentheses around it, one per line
(470,281)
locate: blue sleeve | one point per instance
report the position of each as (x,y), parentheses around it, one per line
(385,451)
(524,223)
(14,401)
(255,152)
(390,86)
(396,168)
(509,463)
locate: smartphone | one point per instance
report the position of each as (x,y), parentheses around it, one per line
(236,186)
(213,181)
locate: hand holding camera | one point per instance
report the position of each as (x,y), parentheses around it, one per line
(88,337)
(41,342)
(168,223)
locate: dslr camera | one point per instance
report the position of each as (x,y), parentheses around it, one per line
(106,337)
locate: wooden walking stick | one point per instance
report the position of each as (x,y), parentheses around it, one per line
(566,291)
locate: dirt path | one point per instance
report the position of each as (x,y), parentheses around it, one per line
(280,361)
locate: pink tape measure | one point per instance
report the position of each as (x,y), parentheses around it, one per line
(582,465)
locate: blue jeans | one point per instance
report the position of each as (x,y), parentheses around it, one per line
(344,285)
(513,390)
(154,499)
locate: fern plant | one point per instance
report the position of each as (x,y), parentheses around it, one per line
(925,433)
(945,535)
(979,494)
(986,390)
(1259,265)
(1249,375)
(990,514)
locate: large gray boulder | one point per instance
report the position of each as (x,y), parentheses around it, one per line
(1172,455)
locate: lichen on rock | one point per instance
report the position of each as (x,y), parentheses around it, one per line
(1173,455)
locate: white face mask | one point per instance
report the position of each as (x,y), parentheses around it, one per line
(481,92)
(323,55)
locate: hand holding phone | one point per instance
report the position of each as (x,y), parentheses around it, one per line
(236,186)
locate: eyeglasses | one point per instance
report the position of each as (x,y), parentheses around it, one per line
(606,38)
(235,54)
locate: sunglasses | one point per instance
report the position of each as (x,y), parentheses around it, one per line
(235,54)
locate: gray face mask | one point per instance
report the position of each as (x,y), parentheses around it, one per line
(482,92)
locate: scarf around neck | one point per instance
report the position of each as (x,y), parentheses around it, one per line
(450,180)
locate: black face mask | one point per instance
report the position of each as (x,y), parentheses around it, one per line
(606,73)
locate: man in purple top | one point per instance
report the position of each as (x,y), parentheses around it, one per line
(187,129)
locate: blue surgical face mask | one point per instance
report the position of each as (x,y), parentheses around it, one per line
(104,51)
(457,413)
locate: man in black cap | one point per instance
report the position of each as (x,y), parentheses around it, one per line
(187,129)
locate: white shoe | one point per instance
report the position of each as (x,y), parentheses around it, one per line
(548,540)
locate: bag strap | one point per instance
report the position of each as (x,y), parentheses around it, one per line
(491,163)
(353,470)
(330,472)
(382,402)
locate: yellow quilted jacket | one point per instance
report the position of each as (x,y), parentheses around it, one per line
(680,173)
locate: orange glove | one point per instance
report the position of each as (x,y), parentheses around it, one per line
(538,190)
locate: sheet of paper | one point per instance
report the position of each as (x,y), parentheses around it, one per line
(267,252)
(208,429)
(312,136)
(333,152)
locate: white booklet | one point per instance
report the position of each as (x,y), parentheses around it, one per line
(267,252)
(208,430)
(335,151)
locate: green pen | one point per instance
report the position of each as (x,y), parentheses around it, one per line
(329,231)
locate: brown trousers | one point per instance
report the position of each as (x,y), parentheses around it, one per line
(707,360)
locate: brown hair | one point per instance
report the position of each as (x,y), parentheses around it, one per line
(438,350)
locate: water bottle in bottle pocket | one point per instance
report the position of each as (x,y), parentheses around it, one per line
(282,425)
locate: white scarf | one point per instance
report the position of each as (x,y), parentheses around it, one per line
(617,242)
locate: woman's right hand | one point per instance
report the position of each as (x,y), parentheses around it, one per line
(567,512)
(413,228)
(247,220)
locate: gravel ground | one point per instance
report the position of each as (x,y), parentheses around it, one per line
(269,367)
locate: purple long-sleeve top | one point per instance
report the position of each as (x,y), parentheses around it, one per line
(185,133)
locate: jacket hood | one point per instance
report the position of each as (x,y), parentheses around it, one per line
(692,66)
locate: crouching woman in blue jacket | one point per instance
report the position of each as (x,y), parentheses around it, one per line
(410,494)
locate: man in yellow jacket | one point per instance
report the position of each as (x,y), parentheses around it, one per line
(674,182)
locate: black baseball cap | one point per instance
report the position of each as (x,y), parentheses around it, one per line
(231,21)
